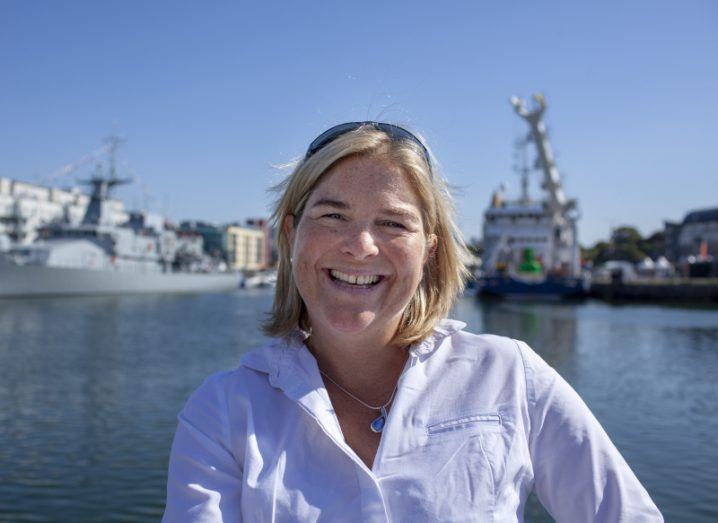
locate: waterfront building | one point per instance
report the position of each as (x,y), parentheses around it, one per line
(212,236)
(270,235)
(245,247)
(697,232)
(25,207)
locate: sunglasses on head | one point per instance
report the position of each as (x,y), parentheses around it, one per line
(394,131)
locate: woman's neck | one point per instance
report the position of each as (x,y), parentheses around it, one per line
(360,363)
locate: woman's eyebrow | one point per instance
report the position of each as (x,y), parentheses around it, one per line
(329,202)
(401,213)
(388,211)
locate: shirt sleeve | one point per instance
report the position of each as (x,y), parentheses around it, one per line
(579,475)
(204,480)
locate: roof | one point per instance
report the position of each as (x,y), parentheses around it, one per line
(704,215)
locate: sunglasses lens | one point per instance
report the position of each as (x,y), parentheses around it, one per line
(394,131)
(332,134)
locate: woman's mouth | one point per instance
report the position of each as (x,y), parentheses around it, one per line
(360,281)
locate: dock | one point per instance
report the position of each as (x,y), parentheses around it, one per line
(688,290)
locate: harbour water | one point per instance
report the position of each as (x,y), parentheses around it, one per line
(89,390)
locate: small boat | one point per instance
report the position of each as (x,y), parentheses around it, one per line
(259,280)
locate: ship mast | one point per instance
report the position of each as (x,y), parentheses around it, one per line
(96,213)
(521,167)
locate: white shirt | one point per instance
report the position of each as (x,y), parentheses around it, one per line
(476,424)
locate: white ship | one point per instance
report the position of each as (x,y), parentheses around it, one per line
(531,246)
(99,257)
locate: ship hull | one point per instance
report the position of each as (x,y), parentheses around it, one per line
(38,280)
(500,286)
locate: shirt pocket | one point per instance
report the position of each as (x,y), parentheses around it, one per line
(464,425)
(463,455)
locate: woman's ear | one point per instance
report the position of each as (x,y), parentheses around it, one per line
(431,244)
(288,227)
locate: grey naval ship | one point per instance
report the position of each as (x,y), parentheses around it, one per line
(98,256)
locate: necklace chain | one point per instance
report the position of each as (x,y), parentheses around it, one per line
(352,396)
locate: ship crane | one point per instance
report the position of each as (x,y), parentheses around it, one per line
(564,212)
(557,202)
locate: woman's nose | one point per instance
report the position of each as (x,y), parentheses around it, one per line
(360,243)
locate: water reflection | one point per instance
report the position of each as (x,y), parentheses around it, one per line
(89,390)
(549,328)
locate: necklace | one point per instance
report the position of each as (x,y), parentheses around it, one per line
(378,424)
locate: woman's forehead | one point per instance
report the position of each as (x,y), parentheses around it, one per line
(362,177)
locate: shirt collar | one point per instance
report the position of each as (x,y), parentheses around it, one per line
(278,358)
(271,357)
(291,368)
(442,330)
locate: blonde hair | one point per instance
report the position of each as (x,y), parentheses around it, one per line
(445,271)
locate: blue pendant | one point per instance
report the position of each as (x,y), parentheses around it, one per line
(378,424)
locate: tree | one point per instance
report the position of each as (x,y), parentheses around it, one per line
(626,245)
(655,245)
(626,234)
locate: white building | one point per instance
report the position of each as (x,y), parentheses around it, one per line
(25,207)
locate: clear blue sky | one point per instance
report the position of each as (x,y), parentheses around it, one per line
(211,95)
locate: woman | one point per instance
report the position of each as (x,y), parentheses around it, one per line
(369,405)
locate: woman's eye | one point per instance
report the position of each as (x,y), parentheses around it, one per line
(333,216)
(394,224)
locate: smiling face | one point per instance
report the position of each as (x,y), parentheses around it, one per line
(359,248)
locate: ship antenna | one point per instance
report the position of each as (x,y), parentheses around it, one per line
(113,141)
(521,166)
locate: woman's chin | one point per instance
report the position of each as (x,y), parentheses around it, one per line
(352,323)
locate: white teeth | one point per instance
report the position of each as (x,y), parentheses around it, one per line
(354,280)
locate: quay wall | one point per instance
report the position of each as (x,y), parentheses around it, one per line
(699,290)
